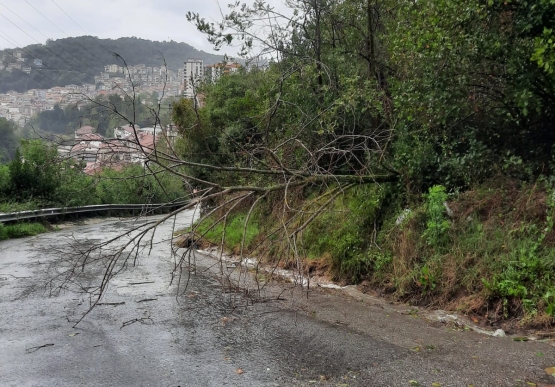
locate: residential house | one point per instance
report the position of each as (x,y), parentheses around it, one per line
(84,132)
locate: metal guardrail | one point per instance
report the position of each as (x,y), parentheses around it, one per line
(52,212)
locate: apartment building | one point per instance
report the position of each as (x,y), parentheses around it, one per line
(214,71)
(193,74)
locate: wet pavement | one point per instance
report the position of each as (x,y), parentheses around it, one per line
(143,334)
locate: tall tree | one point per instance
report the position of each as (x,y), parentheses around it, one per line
(8,140)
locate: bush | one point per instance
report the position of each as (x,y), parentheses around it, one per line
(437,224)
(343,232)
(21,230)
(234,231)
(3,232)
(4,179)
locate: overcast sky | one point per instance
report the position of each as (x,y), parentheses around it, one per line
(24,22)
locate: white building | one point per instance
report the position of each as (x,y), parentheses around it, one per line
(193,74)
(113,68)
(214,71)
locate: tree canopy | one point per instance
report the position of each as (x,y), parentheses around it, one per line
(439,92)
(8,140)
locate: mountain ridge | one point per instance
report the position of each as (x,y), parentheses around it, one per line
(77,60)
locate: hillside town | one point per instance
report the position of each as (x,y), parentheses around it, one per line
(115,79)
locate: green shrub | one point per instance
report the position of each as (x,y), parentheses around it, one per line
(4,179)
(21,230)
(437,225)
(343,232)
(234,231)
(3,232)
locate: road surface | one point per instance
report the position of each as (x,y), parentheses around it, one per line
(143,335)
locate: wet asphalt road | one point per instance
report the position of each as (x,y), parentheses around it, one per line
(144,336)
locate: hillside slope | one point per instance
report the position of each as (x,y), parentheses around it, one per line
(77,60)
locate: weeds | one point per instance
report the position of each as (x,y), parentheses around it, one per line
(437,225)
(21,230)
(234,229)
(344,233)
(494,256)
(17,206)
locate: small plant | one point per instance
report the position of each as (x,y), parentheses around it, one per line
(437,224)
(381,260)
(549,298)
(355,267)
(234,231)
(21,230)
(3,232)
(427,279)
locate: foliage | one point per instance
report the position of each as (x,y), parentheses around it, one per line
(363,110)
(37,174)
(437,224)
(34,171)
(466,81)
(4,179)
(103,113)
(227,128)
(14,206)
(232,231)
(344,232)
(132,185)
(21,230)
(8,140)
(527,271)
(38,177)
(441,97)
(198,142)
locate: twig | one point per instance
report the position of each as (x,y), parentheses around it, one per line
(141,320)
(34,349)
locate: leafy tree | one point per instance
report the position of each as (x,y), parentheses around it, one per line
(4,179)
(34,171)
(8,140)
(407,96)
(134,184)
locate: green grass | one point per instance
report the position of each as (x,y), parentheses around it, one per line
(21,230)
(342,233)
(234,230)
(494,257)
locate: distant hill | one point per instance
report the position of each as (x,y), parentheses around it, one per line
(78,60)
